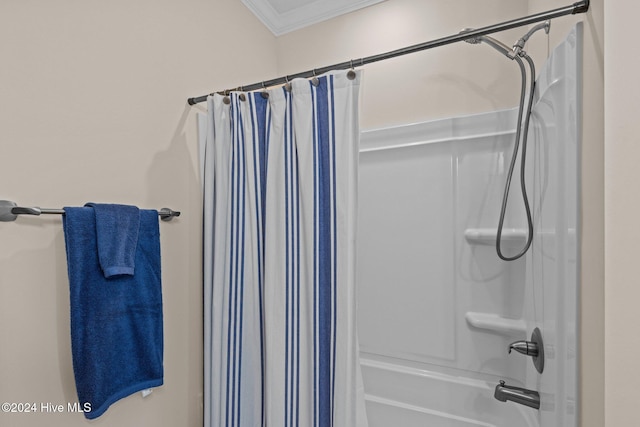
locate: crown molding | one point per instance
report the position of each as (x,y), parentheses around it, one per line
(302,16)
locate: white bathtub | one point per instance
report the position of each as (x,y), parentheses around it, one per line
(402,396)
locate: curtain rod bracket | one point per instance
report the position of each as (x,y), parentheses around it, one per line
(581,7)
(5,211)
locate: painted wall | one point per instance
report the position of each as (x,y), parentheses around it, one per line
(622,103)
(93,108)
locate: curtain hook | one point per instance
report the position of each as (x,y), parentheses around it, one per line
(315,81)
(287,85)
(351,74)
(265,93)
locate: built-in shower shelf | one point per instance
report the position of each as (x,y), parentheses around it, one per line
(487,236)
(494,323)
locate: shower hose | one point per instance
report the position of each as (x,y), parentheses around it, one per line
(520,130)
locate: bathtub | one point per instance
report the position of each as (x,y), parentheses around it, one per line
(404,396)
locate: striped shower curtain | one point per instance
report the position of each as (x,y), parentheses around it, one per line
(280,192)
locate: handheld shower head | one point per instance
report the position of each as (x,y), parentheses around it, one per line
(497,45)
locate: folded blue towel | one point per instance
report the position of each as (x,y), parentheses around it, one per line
(117,230)
(116,323)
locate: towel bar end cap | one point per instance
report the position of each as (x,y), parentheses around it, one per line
(5,211)
(167,214)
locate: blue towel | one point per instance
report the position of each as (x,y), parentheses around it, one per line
(116,323)
(117,230)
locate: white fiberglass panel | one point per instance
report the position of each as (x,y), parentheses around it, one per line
(408,186)
(425,292)
(553,275)
(437,307)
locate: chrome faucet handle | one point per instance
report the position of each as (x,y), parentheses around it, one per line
(528,348)
(533,348)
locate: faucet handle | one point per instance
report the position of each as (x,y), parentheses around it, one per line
(533,348)
(528,348)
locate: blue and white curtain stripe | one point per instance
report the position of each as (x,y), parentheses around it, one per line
(280,193)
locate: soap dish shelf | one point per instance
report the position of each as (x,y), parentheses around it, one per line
(497,324)
(488,236)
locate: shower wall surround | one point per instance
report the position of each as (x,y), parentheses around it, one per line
(437,307)
(460,80)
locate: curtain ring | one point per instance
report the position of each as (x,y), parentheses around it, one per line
(315,81)
(225,94)
(351,74)
(265,93)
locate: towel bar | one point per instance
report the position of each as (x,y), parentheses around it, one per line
(9,211)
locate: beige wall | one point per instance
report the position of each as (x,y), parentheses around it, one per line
(622,201)
(93,108)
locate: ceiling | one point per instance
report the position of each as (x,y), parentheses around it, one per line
(283,16)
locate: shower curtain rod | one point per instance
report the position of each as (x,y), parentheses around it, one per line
(578,7)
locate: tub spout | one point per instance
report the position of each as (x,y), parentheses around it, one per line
(519,395)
